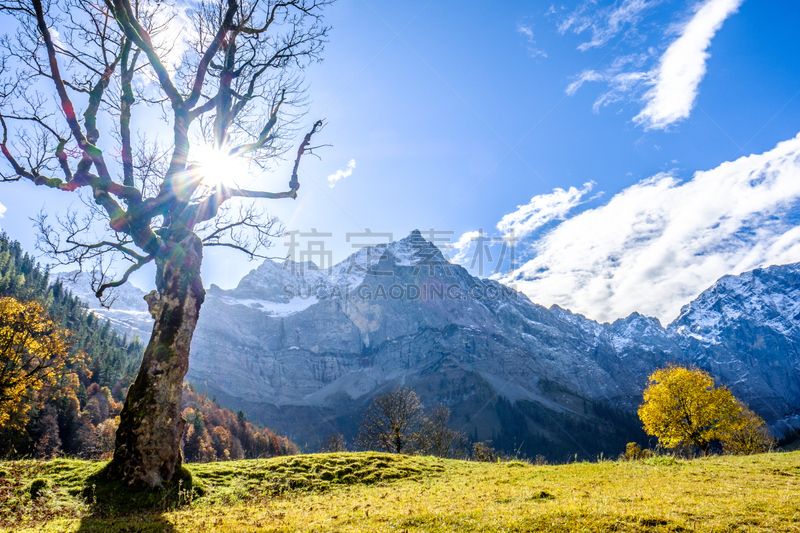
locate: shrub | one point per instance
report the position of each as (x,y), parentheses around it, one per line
(632,451)
(483,452)
(749,436)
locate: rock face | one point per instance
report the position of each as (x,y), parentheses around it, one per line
(304,350)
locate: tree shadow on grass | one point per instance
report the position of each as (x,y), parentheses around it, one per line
(146,523)
(117,507)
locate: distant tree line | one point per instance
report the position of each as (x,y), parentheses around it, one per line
(682,407)
(217,434)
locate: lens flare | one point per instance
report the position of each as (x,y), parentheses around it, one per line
(217,168)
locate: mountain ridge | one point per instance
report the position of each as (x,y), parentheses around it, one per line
(341,351)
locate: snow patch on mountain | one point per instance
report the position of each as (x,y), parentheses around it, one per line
(128,312)
(295,305)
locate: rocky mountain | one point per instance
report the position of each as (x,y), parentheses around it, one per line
(304,350)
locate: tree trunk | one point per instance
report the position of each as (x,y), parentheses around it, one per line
(151,424)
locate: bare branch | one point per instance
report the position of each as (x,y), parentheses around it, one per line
(294,183)
(126,18)
(264,137)
(124,279)
(209,208)
(248,229)
(126,102)
(66,103)
(213,48)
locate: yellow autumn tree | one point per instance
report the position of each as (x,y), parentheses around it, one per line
(682,406)
(33,351)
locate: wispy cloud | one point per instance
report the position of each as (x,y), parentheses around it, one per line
(527,31)
(526,220)
(658,244)
(2,210)
(464,244)
(683,66)
(342,173)
(542,209)
(605,23)
(666,83)
(622,78)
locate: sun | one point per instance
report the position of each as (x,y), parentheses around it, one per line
(217,168)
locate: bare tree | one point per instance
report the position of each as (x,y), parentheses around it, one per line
(390,423)
(334,443)
(435,438)
(222,76)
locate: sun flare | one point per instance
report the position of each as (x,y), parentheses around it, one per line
(218,168)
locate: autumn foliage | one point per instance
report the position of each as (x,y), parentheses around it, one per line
(216,434)
(749,436)
(33,351)
(683,407)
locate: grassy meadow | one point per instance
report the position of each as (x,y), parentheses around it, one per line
(395,493)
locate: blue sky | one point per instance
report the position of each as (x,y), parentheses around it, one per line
(578,125)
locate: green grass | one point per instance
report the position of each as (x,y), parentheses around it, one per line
(380,492)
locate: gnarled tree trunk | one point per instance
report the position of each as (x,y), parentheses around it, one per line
(151,425)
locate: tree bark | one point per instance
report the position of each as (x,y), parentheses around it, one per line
(151,424)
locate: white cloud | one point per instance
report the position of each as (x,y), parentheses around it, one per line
(628,13)
(464,244)
(583,77)
(666,83)
(657,244)
(519,224)
(174,37)
(341,173)
(2,210)
(683,66)
(542,209)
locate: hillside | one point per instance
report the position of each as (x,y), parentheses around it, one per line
(127,313)
(79,418)
(391,493)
